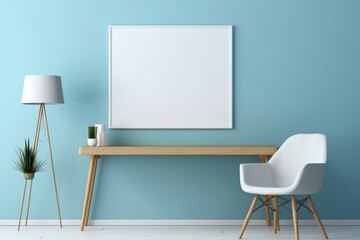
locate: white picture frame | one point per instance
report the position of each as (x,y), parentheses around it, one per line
(170,77)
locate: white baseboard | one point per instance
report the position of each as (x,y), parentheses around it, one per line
(171,222)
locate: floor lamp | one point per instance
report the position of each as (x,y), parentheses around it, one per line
(41,90)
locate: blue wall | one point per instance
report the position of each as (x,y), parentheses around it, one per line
(296,69)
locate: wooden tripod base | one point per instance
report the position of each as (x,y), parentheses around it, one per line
(41,116)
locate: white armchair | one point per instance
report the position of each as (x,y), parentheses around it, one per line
(297,168)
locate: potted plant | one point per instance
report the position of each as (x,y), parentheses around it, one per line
(92,140)
(27,161)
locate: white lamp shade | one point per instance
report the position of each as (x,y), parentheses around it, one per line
(42,89)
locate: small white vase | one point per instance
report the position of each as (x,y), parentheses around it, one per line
(92,142)
(101,137)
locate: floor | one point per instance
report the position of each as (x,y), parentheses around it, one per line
(172,232)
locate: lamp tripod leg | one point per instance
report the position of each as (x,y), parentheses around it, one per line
(22,205)
(56,193)
(36,139)
(52,165)
(28,207)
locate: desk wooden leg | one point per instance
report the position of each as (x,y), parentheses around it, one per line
(91,190)
(87,193)
(263,158)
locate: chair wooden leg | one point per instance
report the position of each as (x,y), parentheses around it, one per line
(278,220)
(267,211)
(276,216)
(248,216)
(278,224)
(295,217)
(316,216)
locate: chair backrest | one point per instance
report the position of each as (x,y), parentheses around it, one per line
(294,153)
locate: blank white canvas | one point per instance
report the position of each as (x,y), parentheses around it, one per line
(170,77)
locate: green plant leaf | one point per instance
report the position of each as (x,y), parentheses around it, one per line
(27,161)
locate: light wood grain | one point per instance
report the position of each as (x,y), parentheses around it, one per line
(95,152)
(179,150)
(317,218)
(93,175)
(267,210)
(248,216)
(87,194)
(276,215)
(295,217)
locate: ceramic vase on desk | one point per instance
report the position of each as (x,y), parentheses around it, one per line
(92,140)
(101,135)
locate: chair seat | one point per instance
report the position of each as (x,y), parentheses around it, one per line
(307,181)
(267,190)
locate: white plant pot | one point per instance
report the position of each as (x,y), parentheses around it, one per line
(92,142)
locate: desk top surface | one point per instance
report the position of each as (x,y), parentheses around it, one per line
(178,150)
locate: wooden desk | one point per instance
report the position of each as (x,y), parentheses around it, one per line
(95,152)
